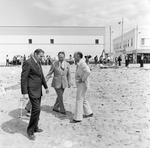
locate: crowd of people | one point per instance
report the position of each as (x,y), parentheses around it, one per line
(128,60)
(47,60)
(19,59)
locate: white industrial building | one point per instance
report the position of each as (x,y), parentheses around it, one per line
(20,40)
(135,43)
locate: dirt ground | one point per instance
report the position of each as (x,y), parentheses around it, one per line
(120,99)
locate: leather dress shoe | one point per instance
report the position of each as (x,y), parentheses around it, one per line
(75,121)
(64,113)
(31,137)
(86,116)
(38,130)
(55,110)
(28,114)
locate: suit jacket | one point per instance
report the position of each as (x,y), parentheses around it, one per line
(31,79)
(82,72)
(61,78)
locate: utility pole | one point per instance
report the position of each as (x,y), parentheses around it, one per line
(110,42)
(122,38)
(136,43)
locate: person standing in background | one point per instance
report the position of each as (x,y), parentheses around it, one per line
(126,60)
(116,61)
(142,60)
(18,60)
(87,57)
(119,60)
(14,60)
(21,60)
(96,59)
(7,60)
(24,58)
(49,60)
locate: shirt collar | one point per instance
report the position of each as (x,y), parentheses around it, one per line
(34,60)
(81,60)
(62,64)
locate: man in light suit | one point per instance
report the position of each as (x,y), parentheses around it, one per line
(32,79)
(82,82)
(61,80)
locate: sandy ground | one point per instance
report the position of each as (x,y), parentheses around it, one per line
(120,99)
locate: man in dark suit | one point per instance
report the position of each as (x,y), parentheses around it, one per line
(32,79)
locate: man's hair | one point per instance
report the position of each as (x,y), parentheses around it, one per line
(37,51)
(61,52)
(80,54)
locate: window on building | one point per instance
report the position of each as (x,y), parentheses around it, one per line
(131,42)
(97,41)
(147,42)
(30,41)
(52,41)
(142,41)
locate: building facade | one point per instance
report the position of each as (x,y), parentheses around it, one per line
(19,40)
(135,43)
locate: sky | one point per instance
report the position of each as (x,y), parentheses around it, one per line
(103,13)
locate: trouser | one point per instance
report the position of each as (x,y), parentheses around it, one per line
(126,63)
(28,106)
(59,101)
(82,104)
(35,113)
(7,62)
(141,64)
(119,63)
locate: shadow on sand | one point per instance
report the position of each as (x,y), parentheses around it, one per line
(49,109)
(16,125)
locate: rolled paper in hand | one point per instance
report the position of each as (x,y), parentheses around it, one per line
(22,102)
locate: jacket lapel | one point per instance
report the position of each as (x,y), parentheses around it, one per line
(35,66)
(65,67)
(62,72)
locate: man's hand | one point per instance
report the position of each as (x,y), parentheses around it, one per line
(25,96)
(47,91)
(80,81)
(46,79)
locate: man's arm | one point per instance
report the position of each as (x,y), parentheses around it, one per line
(48,76)
(69,76)
(44,82)
(24,77)
(86,70)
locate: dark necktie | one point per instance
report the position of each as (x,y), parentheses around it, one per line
(39,68)
(61,67)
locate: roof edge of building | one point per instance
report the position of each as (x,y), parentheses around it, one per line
(51,27)
(124,34)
